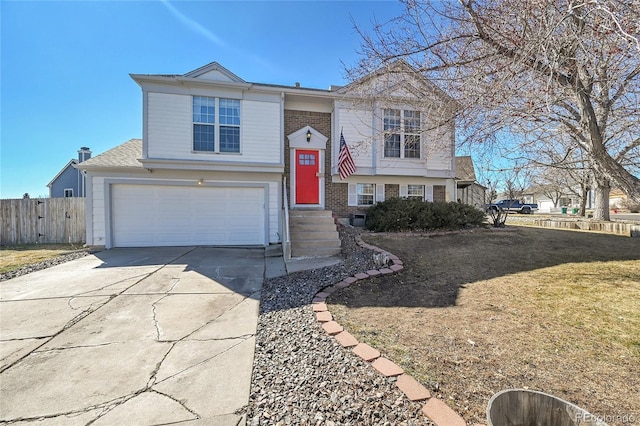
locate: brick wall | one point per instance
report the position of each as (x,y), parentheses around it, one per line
(321,121)
(336,194)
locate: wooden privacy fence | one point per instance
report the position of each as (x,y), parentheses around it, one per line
(43,220)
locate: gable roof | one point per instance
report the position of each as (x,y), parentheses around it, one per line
(401,68)
(213,68)
(122,156)
(62,170)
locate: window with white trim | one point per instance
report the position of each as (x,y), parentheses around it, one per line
(68,192)
(401,133)
(216,124)
(366,194)
(415,191)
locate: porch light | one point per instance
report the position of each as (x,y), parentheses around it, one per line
(308,135)
(200,182)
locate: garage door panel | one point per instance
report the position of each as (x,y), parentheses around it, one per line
(153,215)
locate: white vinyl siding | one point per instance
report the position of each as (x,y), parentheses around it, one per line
(169,125)
(364,133)
(170,130)
(261,132)
(97,214)
(356,126)
(439,149)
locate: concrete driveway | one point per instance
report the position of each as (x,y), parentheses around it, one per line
(131,336)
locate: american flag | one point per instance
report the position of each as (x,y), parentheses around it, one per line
(346,166)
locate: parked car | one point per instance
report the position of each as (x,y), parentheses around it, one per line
(512,206)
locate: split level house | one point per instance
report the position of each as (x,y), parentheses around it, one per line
(223,161)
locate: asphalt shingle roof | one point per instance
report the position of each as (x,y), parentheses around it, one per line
(464,168)
(124,155)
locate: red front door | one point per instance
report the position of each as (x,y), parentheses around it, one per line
(307,180)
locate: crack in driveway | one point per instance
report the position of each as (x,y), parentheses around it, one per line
(102,408)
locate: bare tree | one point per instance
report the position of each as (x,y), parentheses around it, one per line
(561,168)
(537,69)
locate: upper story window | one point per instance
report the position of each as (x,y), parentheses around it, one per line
(216,124)
(68,192)
(401,133)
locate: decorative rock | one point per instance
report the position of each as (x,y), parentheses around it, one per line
(299,372)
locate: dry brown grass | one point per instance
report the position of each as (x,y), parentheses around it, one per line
(478,312)
(15,257)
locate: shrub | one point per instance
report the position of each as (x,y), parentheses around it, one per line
(402,214)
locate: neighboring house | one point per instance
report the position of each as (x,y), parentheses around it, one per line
(70,182)
(215,150)
(551,199)
(617,199)
(468,190)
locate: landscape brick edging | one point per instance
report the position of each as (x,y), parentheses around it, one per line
(435,409)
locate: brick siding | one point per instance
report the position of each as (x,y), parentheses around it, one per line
(336,194)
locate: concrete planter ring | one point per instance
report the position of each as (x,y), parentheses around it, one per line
(521,407)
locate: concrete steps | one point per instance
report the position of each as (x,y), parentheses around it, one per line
(313,233)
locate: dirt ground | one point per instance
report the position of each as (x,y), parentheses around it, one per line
(474,313)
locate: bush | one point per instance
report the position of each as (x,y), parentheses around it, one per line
(402,214)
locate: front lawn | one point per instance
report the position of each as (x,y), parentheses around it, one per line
(17,256)
(477,312)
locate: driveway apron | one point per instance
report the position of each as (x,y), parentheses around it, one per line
(131,336)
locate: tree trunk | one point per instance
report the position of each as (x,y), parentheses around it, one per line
(602,190)
(583,201)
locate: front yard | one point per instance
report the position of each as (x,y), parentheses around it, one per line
(15,257)
(477,312)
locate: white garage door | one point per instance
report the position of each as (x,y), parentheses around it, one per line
(151,215)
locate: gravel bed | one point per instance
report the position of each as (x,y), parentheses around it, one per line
(302,376)
(44,265)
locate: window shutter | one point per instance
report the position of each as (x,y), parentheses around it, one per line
(379,192)
(428,193)
(353,194)
(404,191)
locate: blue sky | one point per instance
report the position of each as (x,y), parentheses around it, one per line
(65,65)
